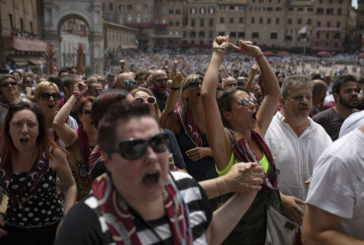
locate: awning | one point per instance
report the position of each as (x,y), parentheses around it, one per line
(268,53)
(24,44)
(129,46)
(282,53)
(24,61)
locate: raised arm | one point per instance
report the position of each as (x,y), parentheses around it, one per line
(217,137)
(51,51)
(271,87)
(79,66)
(168,118)
(66,133)
(253,72)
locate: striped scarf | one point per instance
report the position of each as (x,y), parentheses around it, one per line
(120,221)
(245,154)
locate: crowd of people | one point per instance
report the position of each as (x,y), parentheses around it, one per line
(224,148)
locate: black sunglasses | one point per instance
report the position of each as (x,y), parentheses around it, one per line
(6,84)
(87,112)
(194,85)
(150,100)
(162,80)
(47,96)
(246,101)
(134,148)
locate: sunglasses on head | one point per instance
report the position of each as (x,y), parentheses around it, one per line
(134,148)
(194,85)
(162,80)
(128,82)
(246,101)
(7,84)
(150,100)
(47,96)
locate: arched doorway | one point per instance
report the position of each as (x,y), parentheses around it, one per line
(73,30)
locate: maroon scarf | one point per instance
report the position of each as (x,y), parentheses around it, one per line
(120,221)
(243,153)
(189,126)
(95,157)
(34,177)
(84,146)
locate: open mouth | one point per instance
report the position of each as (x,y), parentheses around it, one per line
(255,116)
(152,178)
(24,140)
(51,106)
(198,94)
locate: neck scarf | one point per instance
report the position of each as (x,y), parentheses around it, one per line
(189,126)
(120,221)
(95,157)
(34,177)
(84,146)
(245,154)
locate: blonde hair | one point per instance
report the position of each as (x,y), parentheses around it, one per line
(146,90)
(42,86)
(182,101)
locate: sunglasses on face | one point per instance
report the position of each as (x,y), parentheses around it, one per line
(150,100)
(194,85)
(87,112)
(246,101)
(7,84)
(47,96)
(134,148)
(128,82)
(162,80)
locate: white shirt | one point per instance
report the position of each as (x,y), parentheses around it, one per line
(355,120)
(337,184)
(295,156)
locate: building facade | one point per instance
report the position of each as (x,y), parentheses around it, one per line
(360,21)
(19,41)
(283,24)
(118,37)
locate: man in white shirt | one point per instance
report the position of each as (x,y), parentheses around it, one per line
(295,140)
(335,200)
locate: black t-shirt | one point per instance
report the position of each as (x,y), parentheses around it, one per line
(330,121)
(82,224)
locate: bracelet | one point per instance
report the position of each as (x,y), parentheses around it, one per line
(219,49)
(77,94)
(258,56)
(175,88)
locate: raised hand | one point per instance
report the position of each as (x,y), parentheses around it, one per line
(244,177)
(246,47)
(80,48)
(177,80)
(51,51)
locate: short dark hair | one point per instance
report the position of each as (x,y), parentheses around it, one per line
(108,124)
(67,80)
(340,81)
(103,102)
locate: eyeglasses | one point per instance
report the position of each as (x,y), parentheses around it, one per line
(150,100)
(7,84)
(87,112)
(162,80)
(128,82)
(231,85)
(246,101)
(134,148)
(47,96)
(193,85)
